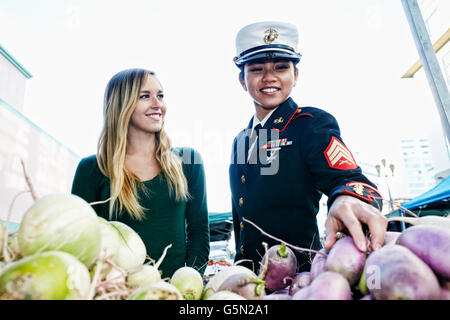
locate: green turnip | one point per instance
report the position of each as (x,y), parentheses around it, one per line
(393,272)
(189,282)
(50,275)
(62,222)
(160,290)
(431,244)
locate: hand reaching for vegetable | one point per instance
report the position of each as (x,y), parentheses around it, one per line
(349,212)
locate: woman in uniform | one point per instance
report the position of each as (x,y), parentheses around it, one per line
(289,155)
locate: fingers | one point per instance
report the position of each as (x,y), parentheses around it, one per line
(355,229)
(330,230)
(377,224)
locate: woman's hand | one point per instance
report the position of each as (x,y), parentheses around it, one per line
(349,212)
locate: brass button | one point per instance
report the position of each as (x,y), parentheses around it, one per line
(243,179)
(241,202)
(242,225)
(242,249)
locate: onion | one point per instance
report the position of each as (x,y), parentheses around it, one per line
(145,275)
(62,222)
(50,275)
(215,282)
(189,282)
(160,290)
(226,295)
(132,251)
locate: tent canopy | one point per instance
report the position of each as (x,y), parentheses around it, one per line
(437,198)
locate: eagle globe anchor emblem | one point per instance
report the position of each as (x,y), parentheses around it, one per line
(271,35)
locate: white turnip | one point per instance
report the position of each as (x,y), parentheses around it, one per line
(225,295)
(431,244)
(393,272)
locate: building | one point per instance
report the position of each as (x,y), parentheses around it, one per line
(49,164)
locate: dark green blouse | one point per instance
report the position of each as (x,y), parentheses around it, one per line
(183,224)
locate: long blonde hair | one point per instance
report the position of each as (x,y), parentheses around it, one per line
(120,99)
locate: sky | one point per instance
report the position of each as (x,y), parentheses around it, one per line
(354,53)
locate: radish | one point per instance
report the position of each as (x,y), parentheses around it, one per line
(391,237)
(393,272)
(318,264)
(214,283)
(50,275)
(431,244)
(63,222)
(345,258)
(425,220)
(282,263)
(160,290)
(251,288)
(300,280)
(225,295)
(189,282)
(329,286)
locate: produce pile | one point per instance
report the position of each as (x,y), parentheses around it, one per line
(63,250)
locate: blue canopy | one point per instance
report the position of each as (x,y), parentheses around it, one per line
(439,196)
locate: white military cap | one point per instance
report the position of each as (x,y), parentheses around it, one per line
(268,39)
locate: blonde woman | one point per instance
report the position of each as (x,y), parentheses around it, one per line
(157,190)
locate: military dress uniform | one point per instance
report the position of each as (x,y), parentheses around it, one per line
(300,156)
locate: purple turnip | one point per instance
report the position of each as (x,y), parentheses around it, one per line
(318,264)
(251,288)
(329,286)
(393,273)
(391,237)
(431,244)
(345,258)
(301,294)
(281,264)
(367,297)
(277,296)
(299,281)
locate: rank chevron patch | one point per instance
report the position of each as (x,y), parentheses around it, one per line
(338,156)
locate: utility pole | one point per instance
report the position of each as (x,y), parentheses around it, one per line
(429,62)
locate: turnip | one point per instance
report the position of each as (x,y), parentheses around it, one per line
(214,283)
(281,264)
(110,240)
(345,258)
(132,251)
(319,263)
(367,297)
(390,237)
(160,290)
(62,222)
(225,295)
(299,281)
(329,286)
(250,287)
(431,244)
(425,220)
(144,275)
(277,296)
(393,272)
(189,282)
(50,275)
(301,294)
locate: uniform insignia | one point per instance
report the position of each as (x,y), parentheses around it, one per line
(338,156)
(298,111)
(359,189)
(276,144)
(362,191)
(271,35)
(278,120)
